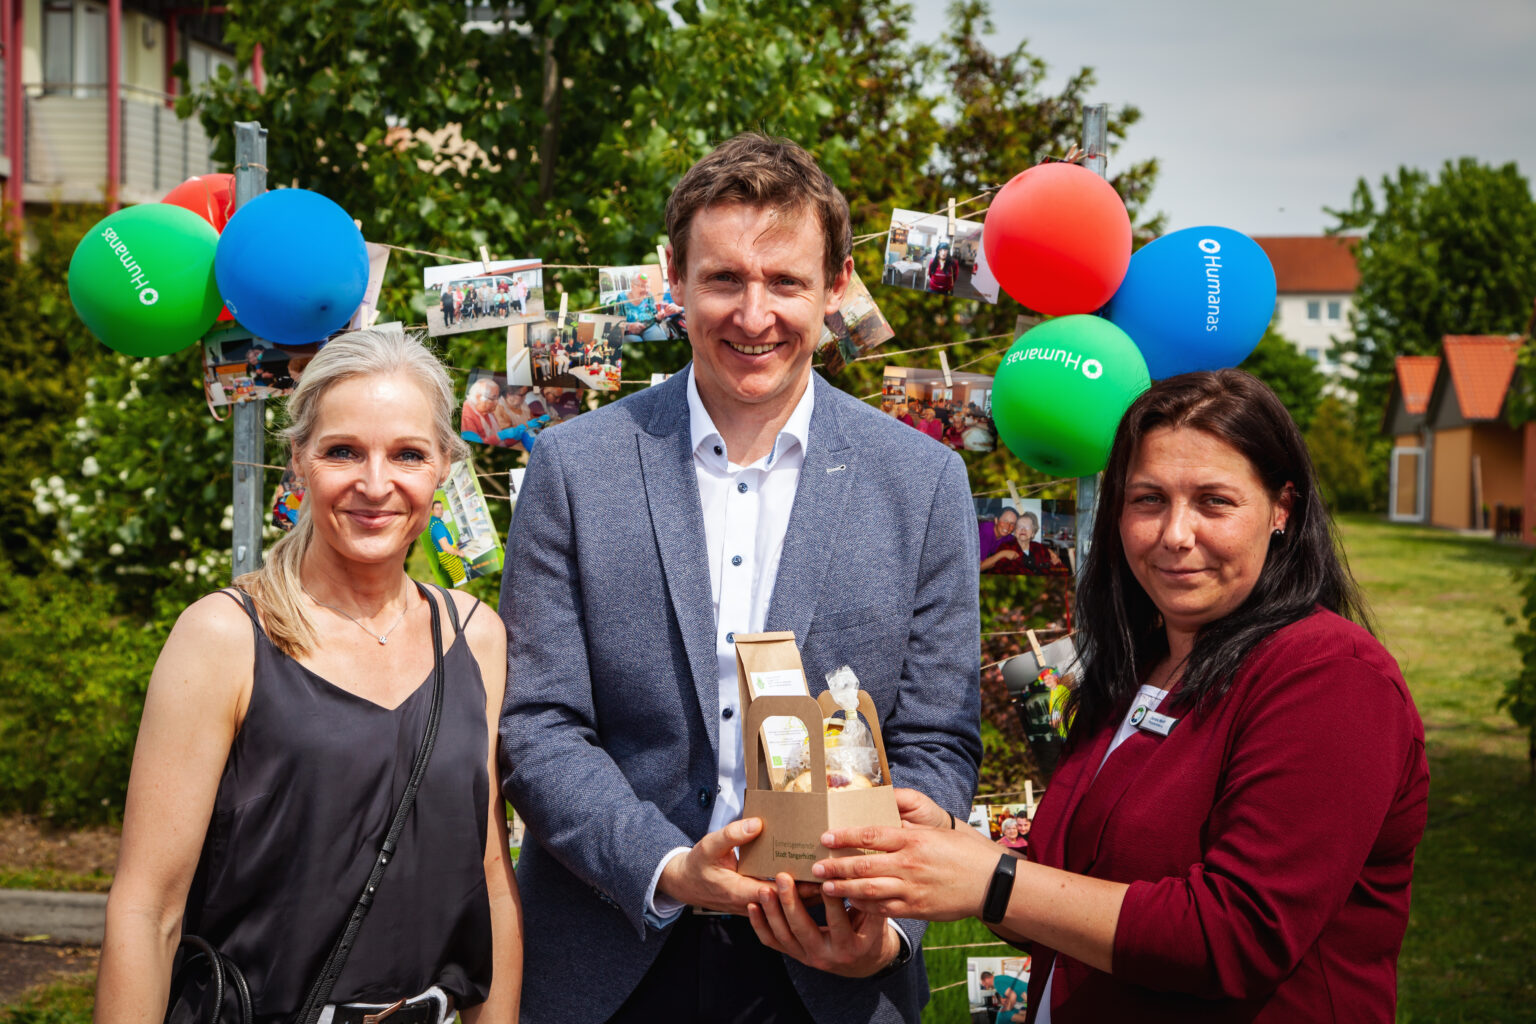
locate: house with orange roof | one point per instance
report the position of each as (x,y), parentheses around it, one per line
(1476,462)
(1407,404)
(1315,281)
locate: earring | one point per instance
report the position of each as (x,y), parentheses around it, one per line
(1279,532)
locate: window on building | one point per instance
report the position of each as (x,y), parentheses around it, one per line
(1314,309)
(203,63)
(58,46)
(1335,310)
(1315,354)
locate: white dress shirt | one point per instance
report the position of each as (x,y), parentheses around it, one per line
(746,515)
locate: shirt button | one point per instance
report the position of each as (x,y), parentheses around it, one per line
(730,638)
(728,713)
(703,798)
(741,488)
(735,559)
(719,450)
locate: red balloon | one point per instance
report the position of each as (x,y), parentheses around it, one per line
(1058,239)
(210,196)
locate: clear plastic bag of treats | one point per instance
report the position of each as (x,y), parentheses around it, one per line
(852,762)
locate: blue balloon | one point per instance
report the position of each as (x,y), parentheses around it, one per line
(291,266)
(1196,299)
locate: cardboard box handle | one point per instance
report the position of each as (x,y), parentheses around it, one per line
(811,713)
(804,708)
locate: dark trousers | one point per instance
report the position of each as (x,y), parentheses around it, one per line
(713,970)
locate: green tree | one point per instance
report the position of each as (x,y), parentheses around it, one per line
(1343,461)
(1450,255)
(1293,377)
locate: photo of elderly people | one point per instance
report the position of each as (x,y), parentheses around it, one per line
(240,368)
(921,254)
(639,295)
(957,414)
(585,353)
(853,329)
(477,297)
(506,415)
(1029,537)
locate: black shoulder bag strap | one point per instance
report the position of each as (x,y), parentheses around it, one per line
(320,992)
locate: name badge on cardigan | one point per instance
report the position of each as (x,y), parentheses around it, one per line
(1148,720)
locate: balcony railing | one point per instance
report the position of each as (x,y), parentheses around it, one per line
(66,146)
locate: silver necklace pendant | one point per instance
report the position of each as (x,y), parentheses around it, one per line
(384,639)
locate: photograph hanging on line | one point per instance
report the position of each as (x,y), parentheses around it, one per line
(481,296)
(981,819)
(238,368)
(368,309)
(855,328)
(641,299)
(1030,537)
(586,353)
(505,415)
(286,500)
(460,541)
(1008,825)
(997,988)
(921,254)
(957,414)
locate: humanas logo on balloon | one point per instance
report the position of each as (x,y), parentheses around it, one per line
(147,295)
(1091,368)
(1211,247)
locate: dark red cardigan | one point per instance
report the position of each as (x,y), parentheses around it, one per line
(1268,843)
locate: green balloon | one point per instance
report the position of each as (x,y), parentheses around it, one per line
(1061,390)
(142,279)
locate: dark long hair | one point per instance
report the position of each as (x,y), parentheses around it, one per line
(1120,635)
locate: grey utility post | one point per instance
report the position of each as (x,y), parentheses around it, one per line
(1096,142)
(250,418)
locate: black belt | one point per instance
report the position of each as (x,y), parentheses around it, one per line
(423,1011)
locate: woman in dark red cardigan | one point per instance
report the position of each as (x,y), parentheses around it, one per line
(1230,833)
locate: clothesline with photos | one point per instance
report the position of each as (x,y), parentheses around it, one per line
(555,360)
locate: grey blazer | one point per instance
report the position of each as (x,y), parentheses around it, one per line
(611,724)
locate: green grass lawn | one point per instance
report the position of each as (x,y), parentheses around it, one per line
(1440,602)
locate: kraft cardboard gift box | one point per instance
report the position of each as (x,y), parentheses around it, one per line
(766,668)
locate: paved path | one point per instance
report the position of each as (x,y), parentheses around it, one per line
(71,917)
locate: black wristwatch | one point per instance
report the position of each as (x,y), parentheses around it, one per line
(902,959)
(1001,888)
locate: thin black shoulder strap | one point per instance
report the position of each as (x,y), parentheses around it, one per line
(472,611)
(453,609)
(244,600)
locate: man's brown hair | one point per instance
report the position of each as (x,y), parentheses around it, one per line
(757,170)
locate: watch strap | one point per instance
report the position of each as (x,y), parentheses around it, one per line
(999,890)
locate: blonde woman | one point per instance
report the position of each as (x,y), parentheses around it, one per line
(283,718)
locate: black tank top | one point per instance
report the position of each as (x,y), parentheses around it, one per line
(307,794)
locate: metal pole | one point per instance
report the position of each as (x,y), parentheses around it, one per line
(1096,142)
(250,417)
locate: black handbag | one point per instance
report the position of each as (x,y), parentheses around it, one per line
(224,975)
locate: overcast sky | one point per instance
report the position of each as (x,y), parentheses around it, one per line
(1262,112)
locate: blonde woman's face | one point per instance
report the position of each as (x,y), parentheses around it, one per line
(372,467)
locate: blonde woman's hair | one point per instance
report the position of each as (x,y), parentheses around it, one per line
(276,586)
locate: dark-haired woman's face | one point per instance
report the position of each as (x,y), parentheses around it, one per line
(1196,525)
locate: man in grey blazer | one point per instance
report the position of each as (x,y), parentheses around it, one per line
(743,494)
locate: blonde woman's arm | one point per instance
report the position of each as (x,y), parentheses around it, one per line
(196,700)
(488,640)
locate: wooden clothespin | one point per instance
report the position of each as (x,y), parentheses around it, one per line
(661,257)
(1034,645)
(1013,493)
(565,298)
(949,381)
(951,216)
(485,258)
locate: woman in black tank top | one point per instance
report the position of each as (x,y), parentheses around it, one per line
(281,724)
